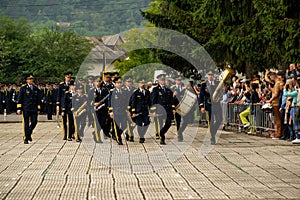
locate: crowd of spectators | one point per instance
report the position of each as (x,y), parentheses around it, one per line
(277,92)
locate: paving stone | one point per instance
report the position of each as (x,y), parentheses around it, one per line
(50,168)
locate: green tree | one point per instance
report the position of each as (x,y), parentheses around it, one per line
(137,57)
(45,52)
(13,33)
(249,35)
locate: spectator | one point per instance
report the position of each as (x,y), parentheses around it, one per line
(292,91)
(288,121)
(254,98)
(275,102)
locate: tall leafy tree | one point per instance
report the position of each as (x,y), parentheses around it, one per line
(249,35)
(45,52)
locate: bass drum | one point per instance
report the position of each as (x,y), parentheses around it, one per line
(186,103)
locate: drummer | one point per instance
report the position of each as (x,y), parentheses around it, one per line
(179,93)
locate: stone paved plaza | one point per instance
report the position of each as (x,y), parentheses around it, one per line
(238,167)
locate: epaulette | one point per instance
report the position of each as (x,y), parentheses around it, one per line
(24,84)
(67,92)
(61,83)
(172,87)
(111,90)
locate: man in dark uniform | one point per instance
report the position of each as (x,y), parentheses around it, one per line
(15,94)
(7,99)
(67,108)
(106,83)
(129,89)
(79,111)
(49,101)
(98,99)
(90,86)
(140,104)
(63,87)
(114,75)
(30,104)
(178,93)
(43,93)
(117,109)
(163,96)
(55,94)
(206,104)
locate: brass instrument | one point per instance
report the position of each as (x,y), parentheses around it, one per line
(101,103)
(217,95)
(81,109)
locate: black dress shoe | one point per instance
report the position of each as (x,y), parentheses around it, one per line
(131,139)
(78,140)
(29,138)
(162,143)
(213,141)
(127,137)
(142,140)
(157,136)
(120,143)
(26,142)
(283,138)
(65,138)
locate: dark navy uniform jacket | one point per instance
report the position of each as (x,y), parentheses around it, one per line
(28,100)
(66,103)
(95,96)
(163,97)
(63,87)
(206,92)
(117,101)
(78,101)
(140,103)
(49,96)
(107,85)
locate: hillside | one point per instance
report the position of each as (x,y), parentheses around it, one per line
(86,17)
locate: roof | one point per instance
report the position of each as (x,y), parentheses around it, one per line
(110,54)
(113,40)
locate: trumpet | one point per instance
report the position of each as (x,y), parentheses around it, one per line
(81,109)
(217,95)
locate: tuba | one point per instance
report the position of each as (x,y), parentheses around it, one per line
(217,95)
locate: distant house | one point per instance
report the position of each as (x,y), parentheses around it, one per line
(113,41)
(107,49)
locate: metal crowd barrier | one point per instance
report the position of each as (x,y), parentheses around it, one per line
(260,120)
